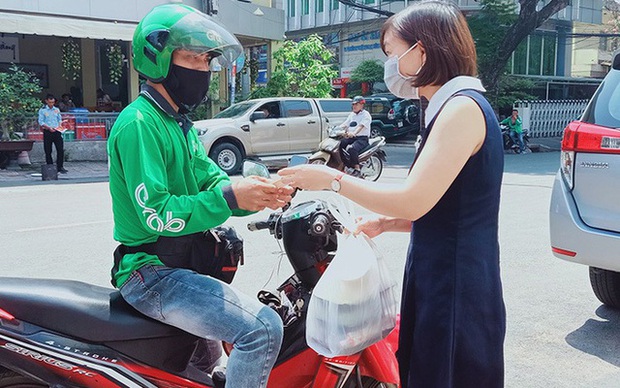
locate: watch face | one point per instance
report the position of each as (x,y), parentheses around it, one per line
(336,185)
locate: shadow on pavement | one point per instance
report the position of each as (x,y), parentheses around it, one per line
(599,337)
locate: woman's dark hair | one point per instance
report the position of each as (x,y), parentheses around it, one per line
(442,30)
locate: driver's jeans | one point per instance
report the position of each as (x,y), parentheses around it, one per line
(210,308)
(517,137)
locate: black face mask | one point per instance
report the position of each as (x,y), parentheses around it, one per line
(187,87)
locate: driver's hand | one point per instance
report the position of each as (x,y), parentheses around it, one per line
(255,193)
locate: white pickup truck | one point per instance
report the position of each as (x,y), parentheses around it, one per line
(270,129)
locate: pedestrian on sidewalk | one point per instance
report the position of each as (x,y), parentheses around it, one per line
(50,122)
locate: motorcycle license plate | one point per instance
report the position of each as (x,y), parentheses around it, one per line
(400,124)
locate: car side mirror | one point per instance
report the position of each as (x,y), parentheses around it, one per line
(252,168)
(257,116)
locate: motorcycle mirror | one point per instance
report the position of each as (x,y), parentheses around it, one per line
(251,167)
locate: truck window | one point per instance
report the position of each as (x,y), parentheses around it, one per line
(330,106)
(234,110)
(297,108)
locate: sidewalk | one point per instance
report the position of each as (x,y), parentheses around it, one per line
(78,172)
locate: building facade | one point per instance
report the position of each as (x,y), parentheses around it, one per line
(43,36)
(560,61)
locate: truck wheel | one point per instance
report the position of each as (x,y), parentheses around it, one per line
(227,156)
(375,131)
(606,286)
(10,379)
(372,168)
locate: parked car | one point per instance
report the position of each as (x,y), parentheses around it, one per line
(392,116)
(585,210)
(270,129)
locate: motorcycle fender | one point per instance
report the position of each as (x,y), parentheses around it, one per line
(320,155)
(379,362)
(381,154)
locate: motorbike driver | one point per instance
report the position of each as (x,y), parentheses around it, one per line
(166,192)
(515,125)
(357,127)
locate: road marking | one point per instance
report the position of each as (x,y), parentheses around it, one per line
(63,226)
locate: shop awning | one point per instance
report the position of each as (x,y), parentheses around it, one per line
(47,25)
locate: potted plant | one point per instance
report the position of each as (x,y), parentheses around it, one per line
(18,105)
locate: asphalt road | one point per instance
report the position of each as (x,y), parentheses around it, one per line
(558,334)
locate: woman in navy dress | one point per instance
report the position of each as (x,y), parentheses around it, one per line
(452,310)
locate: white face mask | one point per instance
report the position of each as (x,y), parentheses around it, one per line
(397,83)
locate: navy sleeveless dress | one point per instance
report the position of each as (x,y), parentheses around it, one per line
(453,318)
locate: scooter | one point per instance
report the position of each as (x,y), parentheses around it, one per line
(509,143)
(61,333)
(371,158)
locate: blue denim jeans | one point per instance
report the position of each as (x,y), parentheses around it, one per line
(518,139)
(209,308)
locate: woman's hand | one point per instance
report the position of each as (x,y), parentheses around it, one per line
(308,176)
(371,225)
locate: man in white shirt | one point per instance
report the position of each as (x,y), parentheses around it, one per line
(357,127)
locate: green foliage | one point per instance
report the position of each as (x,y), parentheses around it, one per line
(512,89)
(369,71)
(489,27)
(71,60)
(18,100)
(115,58)
(302,69)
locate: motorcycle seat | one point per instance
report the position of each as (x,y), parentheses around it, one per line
(81,310)
(373,142)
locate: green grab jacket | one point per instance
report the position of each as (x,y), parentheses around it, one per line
(162,182)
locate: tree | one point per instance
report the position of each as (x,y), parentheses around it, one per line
(527,20)
(18,100)
(369,71)
(302,69)
(613,24)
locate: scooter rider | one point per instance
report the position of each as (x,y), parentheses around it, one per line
(166,192)
(357,127)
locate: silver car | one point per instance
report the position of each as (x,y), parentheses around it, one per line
(585,202)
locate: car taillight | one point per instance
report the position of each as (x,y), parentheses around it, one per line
(391,115)
(584,137)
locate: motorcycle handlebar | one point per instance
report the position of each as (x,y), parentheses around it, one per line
(258,225)
(320,225)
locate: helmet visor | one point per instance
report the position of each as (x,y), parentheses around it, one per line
(202,34)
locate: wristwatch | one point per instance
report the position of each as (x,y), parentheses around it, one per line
(335,185)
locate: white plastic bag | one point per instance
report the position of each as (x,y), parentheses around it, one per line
(354,303)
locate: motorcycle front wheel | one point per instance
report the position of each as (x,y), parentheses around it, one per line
(10,379)
(372,168)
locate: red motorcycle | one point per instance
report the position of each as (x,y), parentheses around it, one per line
(60,333)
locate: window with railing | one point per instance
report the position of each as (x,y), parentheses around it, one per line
(536,55)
